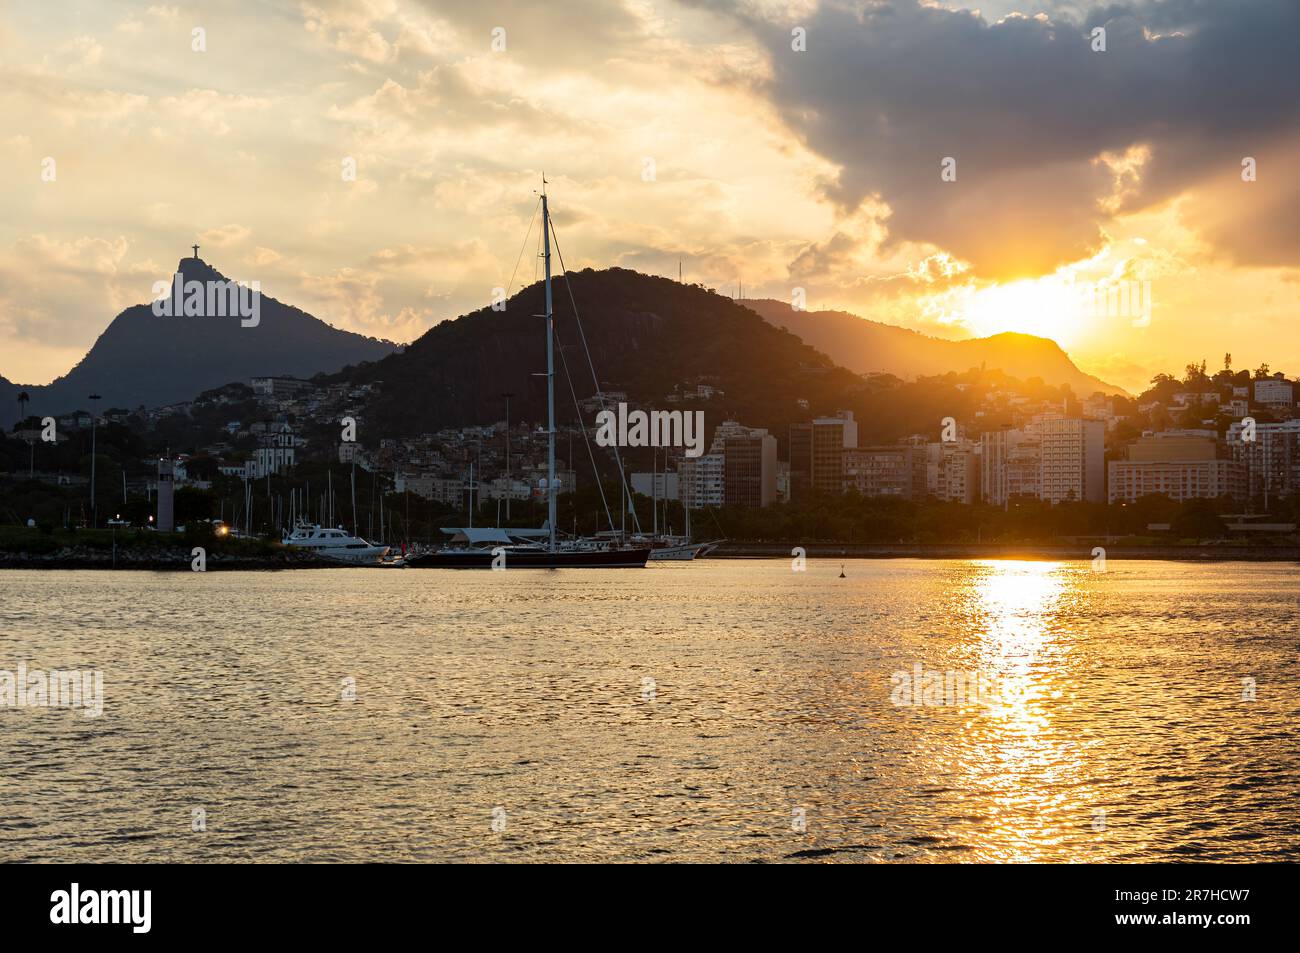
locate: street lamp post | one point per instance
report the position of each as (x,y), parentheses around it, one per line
(94,512)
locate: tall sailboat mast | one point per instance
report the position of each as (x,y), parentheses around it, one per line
(550,373)
(470,550)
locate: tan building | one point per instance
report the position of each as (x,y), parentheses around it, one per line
(1181,467)
(1177,479)
(1168,448)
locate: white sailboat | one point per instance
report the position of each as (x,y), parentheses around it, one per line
(512,548)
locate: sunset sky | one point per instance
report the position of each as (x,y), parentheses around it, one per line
(781,168)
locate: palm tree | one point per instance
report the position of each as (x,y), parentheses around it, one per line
(22,405)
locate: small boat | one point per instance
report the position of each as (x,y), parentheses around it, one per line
(664,547)
(680,551)
(335,544)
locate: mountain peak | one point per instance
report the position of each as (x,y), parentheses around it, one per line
(144,357)
(651,338)
(196,269)
(867,346)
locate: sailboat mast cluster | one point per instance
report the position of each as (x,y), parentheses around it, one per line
(487,547)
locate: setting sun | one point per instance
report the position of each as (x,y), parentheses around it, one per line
(1044,306)
(1049,307)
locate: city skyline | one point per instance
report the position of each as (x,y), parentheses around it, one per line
(714,135)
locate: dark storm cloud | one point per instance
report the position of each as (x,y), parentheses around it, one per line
(1025,106)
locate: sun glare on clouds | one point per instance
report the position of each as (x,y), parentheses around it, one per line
(1049,307)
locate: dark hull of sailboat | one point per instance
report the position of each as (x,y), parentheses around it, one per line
(535,559)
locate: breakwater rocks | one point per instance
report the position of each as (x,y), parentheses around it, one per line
(163,558)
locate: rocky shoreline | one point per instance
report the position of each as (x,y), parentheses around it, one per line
(161,558)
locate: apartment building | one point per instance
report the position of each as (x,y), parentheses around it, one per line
(701,481)
(749,469)
(830,437)
(958,472)
(1179,466)
(1271,460)
(1072,452)
(896,471)
(1010,465)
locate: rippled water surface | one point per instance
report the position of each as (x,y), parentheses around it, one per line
(1124,731)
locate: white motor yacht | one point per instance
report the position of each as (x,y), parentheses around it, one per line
(334,544)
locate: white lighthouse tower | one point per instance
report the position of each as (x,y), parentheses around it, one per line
(166,514)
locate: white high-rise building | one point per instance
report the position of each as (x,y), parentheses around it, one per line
(956,471)
(1073,453)
(701,481)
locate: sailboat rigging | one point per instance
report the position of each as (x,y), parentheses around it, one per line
(508,548)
